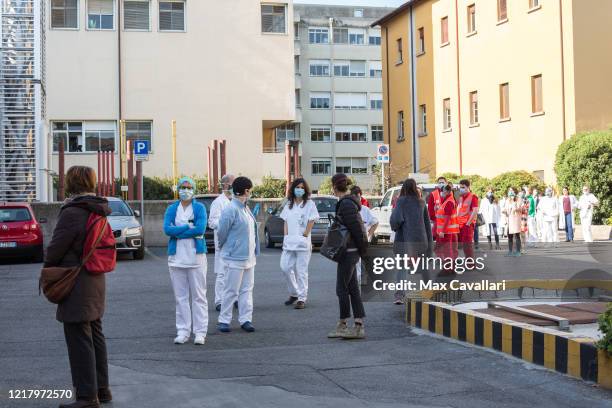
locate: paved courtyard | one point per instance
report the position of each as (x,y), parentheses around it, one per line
(288,361)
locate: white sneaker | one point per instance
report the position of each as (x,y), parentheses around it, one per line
(181,339)
(199,340)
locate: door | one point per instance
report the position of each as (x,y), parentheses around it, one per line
(383,212)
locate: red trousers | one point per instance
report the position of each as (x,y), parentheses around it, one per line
(466,239)
(447,248)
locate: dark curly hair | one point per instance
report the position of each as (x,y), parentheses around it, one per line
(291,195)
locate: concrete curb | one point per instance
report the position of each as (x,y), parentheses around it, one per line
(566,353)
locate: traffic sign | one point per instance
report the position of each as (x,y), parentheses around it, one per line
(382,153)
(141,150)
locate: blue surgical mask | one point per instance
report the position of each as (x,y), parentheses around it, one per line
(489,194)
(186,194)
(463,190)
(511,194)
(441,185)
(299,192)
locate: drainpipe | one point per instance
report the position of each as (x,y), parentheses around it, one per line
(562,68)
(387,128)
(332,99)
(120,87)
(415,144)
(458,88)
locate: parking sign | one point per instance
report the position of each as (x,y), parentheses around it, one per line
(141,150)
(382,153)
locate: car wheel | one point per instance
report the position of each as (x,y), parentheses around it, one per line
(268,239)
(139,253)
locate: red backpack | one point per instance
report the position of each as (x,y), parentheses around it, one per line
(99,253)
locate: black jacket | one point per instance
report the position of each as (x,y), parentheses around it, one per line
(86,301)
(410,221)
(347,209)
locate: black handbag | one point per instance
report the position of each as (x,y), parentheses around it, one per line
(480,221)
(336,241)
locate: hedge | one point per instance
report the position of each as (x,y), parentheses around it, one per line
(270,187)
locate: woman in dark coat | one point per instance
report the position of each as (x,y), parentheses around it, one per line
(410,221)
(82,310)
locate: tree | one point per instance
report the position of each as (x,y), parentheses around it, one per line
(270,187)
(377,174)
(586,158)
(326,185)
(516,179)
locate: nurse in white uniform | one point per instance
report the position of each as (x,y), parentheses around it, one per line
(586,203)
(370,223)
(300,213)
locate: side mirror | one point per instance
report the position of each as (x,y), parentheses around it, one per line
(42,220)
(136,213)
(270,211)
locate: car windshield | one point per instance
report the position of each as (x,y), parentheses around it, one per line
(119,209)
(325,205)
(14,214)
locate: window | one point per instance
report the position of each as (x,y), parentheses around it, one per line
(536,94)
(352,165)
(471,19)
(100,15)
(342,68)
(138,130)
(298,102)
(320,133)
(349,68)
(351,133)
(374,37)
(375,69)
(341,36)
(400,53)
(473,108)
(319,100)
(81,137)
(446,110)
(64,13)
(421,43)
(296,31)
(136,15)
(318,35)
(273,18)
(377,134)
(172,15)
(319,67)
(376,101)
(400,126)
(296,64)
(504,101)
(356,36)
(502,10)
(348,100)
(423,119)
(534,3)
(285,132)
(321,166)
(444,31)
(358,13)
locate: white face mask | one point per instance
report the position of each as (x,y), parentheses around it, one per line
(186,194)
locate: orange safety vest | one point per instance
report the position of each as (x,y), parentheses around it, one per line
(463,208)
(436,199)
(452,227)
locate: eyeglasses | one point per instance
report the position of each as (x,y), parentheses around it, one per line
(184,188)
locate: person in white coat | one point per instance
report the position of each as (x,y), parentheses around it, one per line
(185,223)
(549,208)
(491,211)
(370,222)
(586,203)
(216,209)
(300,213)
(567,204)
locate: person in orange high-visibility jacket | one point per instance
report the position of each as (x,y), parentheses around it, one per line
(447,228)
(467,212)
(433,202)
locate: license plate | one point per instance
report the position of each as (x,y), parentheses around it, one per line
(8,244)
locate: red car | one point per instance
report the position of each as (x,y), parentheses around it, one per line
(20,233)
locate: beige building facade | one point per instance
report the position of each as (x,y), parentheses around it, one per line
(222,70)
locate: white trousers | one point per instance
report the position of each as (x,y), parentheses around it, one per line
(532,230)
(191,314)
(219,277)
(549,233)
(295,266)
(238,286)
(585,223)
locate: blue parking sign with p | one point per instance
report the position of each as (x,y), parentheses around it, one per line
(141,147)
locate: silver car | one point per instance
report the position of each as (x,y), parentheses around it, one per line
(129,236)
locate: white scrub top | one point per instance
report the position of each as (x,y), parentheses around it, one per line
(185,256)
(297,218)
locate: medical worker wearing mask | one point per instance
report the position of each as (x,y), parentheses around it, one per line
(185,223)
(549,206)
(239,244)
(586,203)
(300,213)
(216,208)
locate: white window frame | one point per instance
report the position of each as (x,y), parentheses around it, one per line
(101,29)
(381,129)
(447,115)
(357,32)
(319,128)
(91,126)
(159,29)
(320,31)
(138,29)
(401,131)
(373,99)
(375,66)
(351,166)
(323,161)
(319,95)
(353,131)
(423,120)
(375,33)
(284,5)
(142,121)
(321,63)
(358,13)
(351,107)
(78,20)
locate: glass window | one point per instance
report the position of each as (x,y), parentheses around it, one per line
(341,36)
(321,166)
(172,15)
(119,208)
(357,68)
(377,133)
(537,105)
(376,101)
(358,13)
(400,52)
(318,35)
(444,30)
(375,69)
(400,126)
(342,68)
(356,36)
(64,13)
(471,18)
(319,68)
(359,165)
(320,134)
(139,130)
(79,137)
(319,100)
(273,18)
(351,133)
(421,42)
(14,214)
(343,165)
(136,15)
(100,15)
(446,109)
(504,101)
(473,108)
(423,115)
(374,37)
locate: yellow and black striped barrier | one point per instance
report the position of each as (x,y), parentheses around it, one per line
(564,352)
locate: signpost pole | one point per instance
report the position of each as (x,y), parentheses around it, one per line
(382,178)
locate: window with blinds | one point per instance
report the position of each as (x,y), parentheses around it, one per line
(64,14)
(172,16)
(136,15)
(139,130)
(100,15)
(273,18)
(376,101)
(349,100)
(341,36)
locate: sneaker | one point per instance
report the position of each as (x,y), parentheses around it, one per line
(223,327)
(509,254)
(181,339)
(247,327)
(104,395)
(218,308)
(291,300)
(516,254)
(199,340)
(339,331)
(300,305)
(81,404)
(355,332)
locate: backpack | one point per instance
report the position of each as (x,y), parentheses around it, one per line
(336,240)
(100,244)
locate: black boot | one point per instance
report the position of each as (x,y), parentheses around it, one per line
(105,395)
(291,300)
(81,404)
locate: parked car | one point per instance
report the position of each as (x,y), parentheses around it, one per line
(383,210)
(20,233)
(274,228)
(129,235)
(209,234)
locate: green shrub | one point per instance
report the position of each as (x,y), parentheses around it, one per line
(478,184)
(326,185)
(609,220)
(516,179)
(158,188)
(585,159)
(605,327)
(270,187)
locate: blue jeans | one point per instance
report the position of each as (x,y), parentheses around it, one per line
(569,229)
(476,227)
